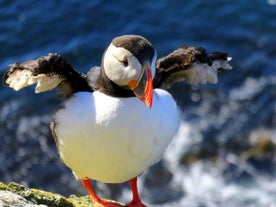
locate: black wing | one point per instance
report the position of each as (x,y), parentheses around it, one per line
(191,64)
(48,72)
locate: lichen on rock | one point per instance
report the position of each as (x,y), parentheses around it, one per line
(14,195)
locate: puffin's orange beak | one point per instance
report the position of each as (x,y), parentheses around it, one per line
(148,89)
(143,88)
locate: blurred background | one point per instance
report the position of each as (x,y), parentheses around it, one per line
(225,151)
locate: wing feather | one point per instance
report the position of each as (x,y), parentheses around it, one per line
(48,72)
(191,64)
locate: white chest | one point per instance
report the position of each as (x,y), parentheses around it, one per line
(114,139)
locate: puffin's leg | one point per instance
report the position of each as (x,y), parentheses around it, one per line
(98,202)
(136,200)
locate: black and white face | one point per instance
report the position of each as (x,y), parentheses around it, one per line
(129,61)
(120,65)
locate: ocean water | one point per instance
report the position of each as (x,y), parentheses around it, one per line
(225,151)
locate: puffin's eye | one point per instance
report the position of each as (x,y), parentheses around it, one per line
(124,62)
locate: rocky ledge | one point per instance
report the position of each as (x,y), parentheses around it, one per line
(16,195)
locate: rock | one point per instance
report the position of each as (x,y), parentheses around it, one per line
(9,199)
(16,195)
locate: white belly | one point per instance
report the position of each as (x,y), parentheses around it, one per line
(114,139)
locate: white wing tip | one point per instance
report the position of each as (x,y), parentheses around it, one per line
(202,73)
(22,78)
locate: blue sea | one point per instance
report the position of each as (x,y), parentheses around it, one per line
(224,154)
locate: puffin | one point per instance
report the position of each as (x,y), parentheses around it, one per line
(117,120)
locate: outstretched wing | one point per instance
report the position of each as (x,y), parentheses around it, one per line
(191,64)
(48,72)
(186,63)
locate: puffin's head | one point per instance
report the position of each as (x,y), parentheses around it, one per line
(129,61)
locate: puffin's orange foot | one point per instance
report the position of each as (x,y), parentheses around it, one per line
(136,201)
(95,199)
(104,203)
(135,204)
